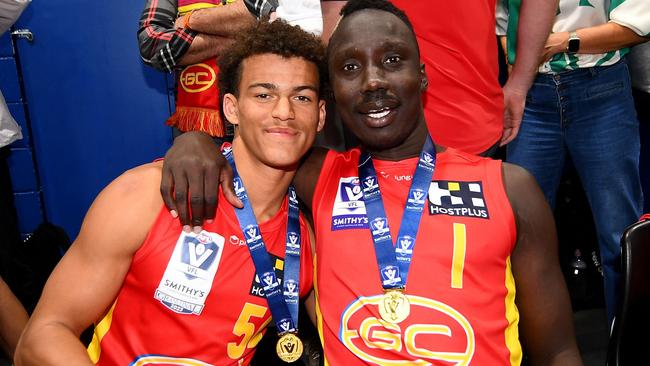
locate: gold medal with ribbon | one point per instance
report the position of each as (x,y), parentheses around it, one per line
(394,306)
(289,347)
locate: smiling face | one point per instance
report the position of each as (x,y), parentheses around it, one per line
(377,80)
(278,110)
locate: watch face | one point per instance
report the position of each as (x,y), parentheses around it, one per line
(574,45)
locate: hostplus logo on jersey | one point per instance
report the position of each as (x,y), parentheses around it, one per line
(457,199)
(349,211)
(257,285)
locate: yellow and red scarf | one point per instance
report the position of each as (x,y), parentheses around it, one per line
(197,97)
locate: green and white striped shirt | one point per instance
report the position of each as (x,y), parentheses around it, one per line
(577,14)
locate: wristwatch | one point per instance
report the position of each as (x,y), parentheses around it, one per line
(574,43)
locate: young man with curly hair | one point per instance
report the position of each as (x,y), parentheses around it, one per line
(160,295)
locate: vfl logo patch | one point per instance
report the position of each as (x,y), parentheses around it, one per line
(427,160)
(285,325)
(293,244)
(416,200)
(380,227)
(291,289)
(252,234)
(457,199)
(349,211)
(239,188)
(404,245)
(190,272)
(390,275)
(257,286)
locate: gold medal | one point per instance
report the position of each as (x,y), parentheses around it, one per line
(289,347)
(394,306)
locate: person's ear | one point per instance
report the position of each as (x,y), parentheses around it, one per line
(231,108)
(321,115)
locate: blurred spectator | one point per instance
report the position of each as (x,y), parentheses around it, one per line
(640,75)
(581,105)
(464,103)
(192,33)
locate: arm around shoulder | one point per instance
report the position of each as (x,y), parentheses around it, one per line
(87,280)
(308,173)
(546,322)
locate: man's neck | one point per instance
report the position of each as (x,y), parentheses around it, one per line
(266,186)
(409,148)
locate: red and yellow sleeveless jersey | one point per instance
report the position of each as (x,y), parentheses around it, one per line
(460,284)
(463,104)
(194,299)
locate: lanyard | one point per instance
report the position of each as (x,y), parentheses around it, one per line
(394,261)
(282,300)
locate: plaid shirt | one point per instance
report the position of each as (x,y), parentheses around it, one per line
(162,45)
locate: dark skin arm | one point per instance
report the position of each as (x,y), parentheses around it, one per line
(194,168)
(546,322)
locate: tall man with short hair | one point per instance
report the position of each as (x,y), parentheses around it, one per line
(159,295)
(424,254)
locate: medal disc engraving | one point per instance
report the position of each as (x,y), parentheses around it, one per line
(289,347)
(394,306)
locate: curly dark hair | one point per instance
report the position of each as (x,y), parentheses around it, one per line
(352,6)
(278,38)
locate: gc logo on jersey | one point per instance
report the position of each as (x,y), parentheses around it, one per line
(257,285)
(433,333)
(159,360)
(349,210)
(457,199)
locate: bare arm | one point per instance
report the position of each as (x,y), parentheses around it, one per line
(331,11)
(597,39)
(535,21)
(307,175)
(100,257)
(226,20)
(13,318)
(546,323)
(165,43)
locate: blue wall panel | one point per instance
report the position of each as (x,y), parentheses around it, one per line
(9,80)
(95,109)
(6,49)
(28,208)
(23,173)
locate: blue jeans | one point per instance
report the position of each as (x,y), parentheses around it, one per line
(589,114)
